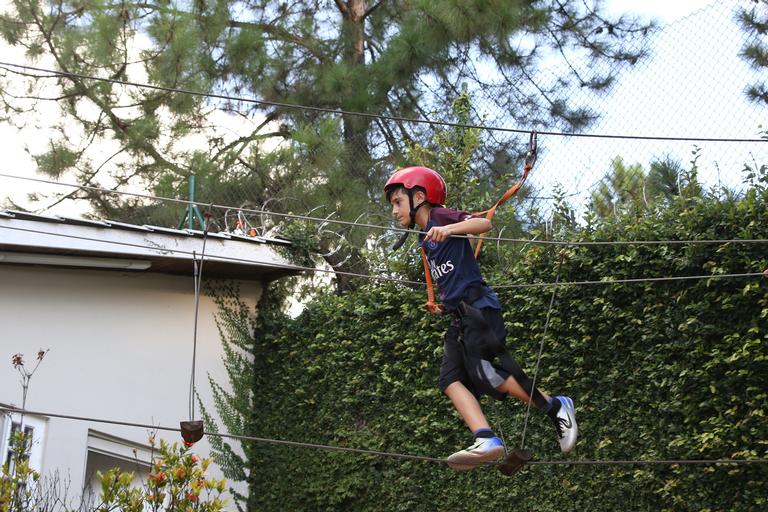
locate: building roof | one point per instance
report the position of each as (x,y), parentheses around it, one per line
(53,240)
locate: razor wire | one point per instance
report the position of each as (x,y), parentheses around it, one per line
(639,128)
(353,224)
(301,268)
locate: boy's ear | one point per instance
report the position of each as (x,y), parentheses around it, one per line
(418,196)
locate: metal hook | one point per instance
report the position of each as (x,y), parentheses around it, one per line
(530,156)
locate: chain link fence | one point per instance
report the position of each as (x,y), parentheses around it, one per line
(681,108)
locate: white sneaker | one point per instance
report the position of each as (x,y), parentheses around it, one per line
(565,424)
(484,449)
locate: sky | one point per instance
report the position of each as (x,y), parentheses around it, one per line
(664,94)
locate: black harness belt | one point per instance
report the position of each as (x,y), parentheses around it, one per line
(481,347)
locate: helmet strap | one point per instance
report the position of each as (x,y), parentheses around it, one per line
(413,211)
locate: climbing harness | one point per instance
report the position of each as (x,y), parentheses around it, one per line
(530,159)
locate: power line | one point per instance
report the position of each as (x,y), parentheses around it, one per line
(559,243)
(393,279)
(378,453)
(386,278)
(68,74)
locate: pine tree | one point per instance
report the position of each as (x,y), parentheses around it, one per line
(402,59)
(754,22)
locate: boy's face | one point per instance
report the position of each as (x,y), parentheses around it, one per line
(401,207)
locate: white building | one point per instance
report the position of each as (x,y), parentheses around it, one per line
(114,304)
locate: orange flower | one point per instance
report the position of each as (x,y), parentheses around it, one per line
(158,477)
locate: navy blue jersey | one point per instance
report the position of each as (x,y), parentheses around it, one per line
(452,263)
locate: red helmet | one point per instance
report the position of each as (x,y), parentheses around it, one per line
(424,177)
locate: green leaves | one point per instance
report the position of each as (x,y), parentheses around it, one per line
(657,370)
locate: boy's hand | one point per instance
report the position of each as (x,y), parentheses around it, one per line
(438,233)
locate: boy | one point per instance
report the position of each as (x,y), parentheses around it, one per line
(477,332)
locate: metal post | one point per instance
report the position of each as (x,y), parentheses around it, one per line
(192,210)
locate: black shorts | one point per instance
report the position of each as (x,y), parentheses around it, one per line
(452,368)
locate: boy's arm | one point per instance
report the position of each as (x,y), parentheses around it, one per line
(471,226)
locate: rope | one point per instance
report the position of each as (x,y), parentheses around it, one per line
(386,278)
(198,277)
(67,74)
(574,243)
(541,347)
(378,453)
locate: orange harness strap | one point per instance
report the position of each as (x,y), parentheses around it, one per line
(507,195)
(530,159)
(432,306)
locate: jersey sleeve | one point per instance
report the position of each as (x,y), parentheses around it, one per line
(445,216)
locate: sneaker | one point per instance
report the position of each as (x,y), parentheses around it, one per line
(484,449)
(565,424)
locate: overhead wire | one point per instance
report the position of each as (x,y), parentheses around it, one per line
(289,266)
(68,74)
(294,216)
(297,267)
(379,453)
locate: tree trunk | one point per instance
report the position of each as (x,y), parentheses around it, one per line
(355,129)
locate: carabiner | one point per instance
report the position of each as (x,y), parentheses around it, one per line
(530,157)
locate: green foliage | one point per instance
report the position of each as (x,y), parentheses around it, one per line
(658,370)
(754,22)
(380,58)
(453,155)
(177,483)
(628,189)
(17,478)
(246,340)
(57,160)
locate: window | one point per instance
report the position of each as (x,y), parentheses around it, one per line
(29,434)
(34,433)
(106,452)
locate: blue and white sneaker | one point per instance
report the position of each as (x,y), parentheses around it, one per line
(484,449)
(565,424)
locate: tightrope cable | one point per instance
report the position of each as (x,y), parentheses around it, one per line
(378,453)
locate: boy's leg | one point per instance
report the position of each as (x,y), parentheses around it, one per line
(513,388)
(467,406)
(486,447)
(560,409)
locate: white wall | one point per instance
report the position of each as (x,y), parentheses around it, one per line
(120,348)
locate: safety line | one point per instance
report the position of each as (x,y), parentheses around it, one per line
(572,243)
(139,85)
(404,456)
(197,279)
(385,278)
(541,349)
